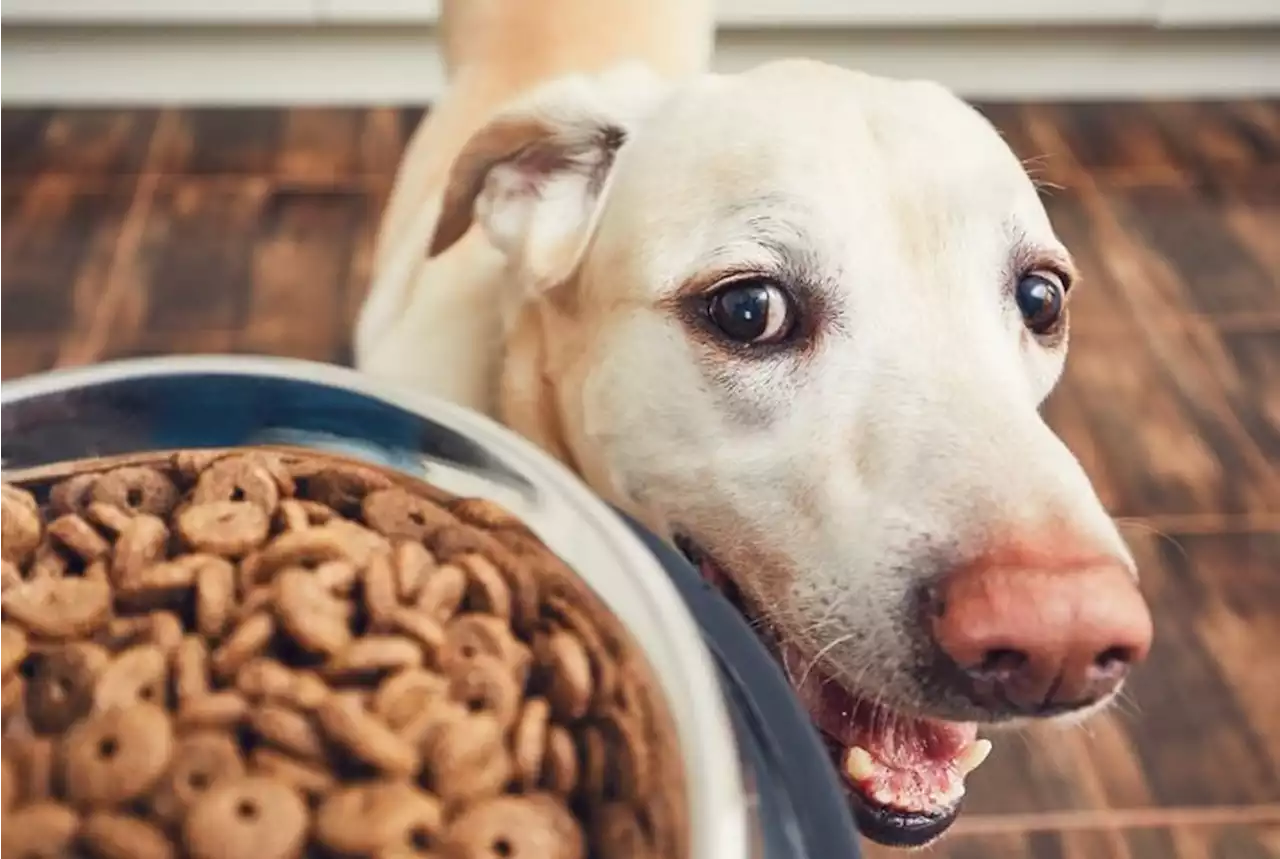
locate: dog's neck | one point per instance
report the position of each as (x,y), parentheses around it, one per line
(544,363)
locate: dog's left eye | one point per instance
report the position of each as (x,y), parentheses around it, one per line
(755,311)
(1040,296)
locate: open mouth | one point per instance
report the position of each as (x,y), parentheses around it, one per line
(903,774)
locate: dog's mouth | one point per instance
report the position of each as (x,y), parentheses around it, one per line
(903,774)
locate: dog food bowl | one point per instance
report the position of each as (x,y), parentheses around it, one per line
(758,779)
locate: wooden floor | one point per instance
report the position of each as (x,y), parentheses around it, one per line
(129,233)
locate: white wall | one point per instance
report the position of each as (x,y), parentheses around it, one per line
(361,51)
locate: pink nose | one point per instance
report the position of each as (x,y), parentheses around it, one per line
(1037,638)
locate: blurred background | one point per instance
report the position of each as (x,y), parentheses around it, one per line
(207,176)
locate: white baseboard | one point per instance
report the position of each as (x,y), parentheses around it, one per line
(391,65)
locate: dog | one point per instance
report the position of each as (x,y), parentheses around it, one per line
(799,321)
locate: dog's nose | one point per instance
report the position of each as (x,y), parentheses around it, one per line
(1041,640)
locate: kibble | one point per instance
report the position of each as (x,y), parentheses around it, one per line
(275,654)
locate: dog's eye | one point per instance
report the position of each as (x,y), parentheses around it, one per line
(754,311)
(1040,297)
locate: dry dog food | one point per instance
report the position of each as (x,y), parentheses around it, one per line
(267,654)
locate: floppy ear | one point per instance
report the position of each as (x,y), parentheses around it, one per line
(535,175)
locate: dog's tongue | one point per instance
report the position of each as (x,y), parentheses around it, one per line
(899,762)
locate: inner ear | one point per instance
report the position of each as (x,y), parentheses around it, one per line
(534,176)
(515,142)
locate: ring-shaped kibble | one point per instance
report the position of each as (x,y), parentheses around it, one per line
(472,635)
(143,542)
(155,585)
(136,489)
(630,773)
(313,781)
(41,830)
(619,831)
(19,524)
(485,685)
(118,835)
(10,576)
(567,673)
(13,647)
(35,758)
(226,528)
(307,549)
(467,754)
(238,478)
(316,619)
(190,464)
(77,535)
(116,755)
(533,826)
(398,513)
(593,754)
(249,816)
(59,608)
(403,695)
(373,656)
(483,513)
(72,495)
(411,563)
(442,592)
(560,766)
(369,819)
(340,487)
(201,761)
(139,674)
(61,687)
(215,596)
(494,590)
(529,741)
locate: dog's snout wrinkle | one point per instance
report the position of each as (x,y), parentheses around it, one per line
(1037,639)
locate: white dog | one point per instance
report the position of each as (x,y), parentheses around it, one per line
(800,321)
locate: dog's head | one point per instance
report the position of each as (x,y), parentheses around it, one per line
(801,320)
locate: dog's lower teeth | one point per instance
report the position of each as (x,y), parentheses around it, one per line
(973,756)
(859,764)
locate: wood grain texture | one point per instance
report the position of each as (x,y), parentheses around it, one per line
(160,232)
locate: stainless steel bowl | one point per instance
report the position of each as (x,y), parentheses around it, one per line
(758,784)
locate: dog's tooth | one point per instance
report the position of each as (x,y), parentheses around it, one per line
(954,792)
(885,795)
(859,764)
(973,756)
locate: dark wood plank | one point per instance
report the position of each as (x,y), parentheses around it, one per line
(1110,140)
(1255,367)
(58,236)
(1185,230)
(1099,301)
(301,269)
(226,141)
(196,255)
(1159,423)
(1213,139)
(97,142)
(314,147)
(238,265)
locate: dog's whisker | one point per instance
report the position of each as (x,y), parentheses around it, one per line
(817,657)
(1147,528)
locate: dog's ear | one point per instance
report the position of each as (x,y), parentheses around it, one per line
(534,176)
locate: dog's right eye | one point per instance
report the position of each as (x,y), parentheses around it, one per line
(755,311)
